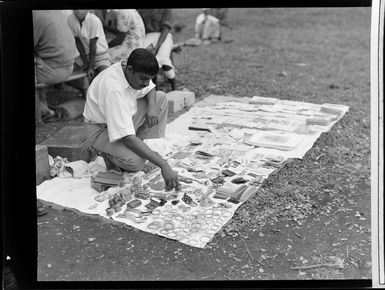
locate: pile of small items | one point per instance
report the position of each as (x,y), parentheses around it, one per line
(212,187)
(127,189)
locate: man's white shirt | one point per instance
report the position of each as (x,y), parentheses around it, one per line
(112,101)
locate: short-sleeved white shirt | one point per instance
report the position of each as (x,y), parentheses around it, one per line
(112,101)
(91,27)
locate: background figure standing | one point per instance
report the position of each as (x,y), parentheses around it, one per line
(158,24)
(129,34)
(54,49)
(207,27)
(90,42)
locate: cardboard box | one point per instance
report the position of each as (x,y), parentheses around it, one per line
(104,180)
(179,100)
(42,163)
(66,143)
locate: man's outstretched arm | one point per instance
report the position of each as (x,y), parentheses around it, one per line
(91,56)
(82,52)
(139,147)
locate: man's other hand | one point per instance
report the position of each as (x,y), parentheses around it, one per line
(151,118)
(90,73)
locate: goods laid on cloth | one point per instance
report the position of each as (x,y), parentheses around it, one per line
(223,151)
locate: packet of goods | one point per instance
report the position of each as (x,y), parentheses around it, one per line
(332,109)
(263,100)
(318,121)
(104,195)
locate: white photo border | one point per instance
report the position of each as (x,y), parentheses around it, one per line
(377,145)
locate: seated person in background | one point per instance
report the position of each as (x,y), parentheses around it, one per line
(129,34)
(158,24)
(108,19)
(54,49)
(121,110)
(90,42)
(221,15)
(207,26)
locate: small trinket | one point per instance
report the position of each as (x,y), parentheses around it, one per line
(233,200)
(223,205)
(154,203)
(227,172)
(239,180)
(109,211)
(203,154)
(155,225)
(142,194)
(171,196)
(252,174)
(206,202)
(198,192)
(134,203)
(159,195)
(134,210)
(101,197)
(93,206)
(184,208)
(175,202)
(185,179)
(218,179)
(168,225)
(181,155)
(194,170)
(195,143)
(162,202)
(157,186)
(145,213)
(156,177)
(201,175)
(188,200)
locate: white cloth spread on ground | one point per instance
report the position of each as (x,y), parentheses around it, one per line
(236,125)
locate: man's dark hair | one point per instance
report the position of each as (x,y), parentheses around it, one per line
(142,60)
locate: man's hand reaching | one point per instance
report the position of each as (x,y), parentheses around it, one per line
(170,178)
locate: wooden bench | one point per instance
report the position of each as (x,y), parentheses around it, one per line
(39,87)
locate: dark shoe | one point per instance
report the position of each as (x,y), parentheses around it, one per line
(173,84)
(41,210)
(9,277)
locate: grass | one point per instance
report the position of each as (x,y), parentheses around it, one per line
(318,55)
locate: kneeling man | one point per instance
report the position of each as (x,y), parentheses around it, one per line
(122,109)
